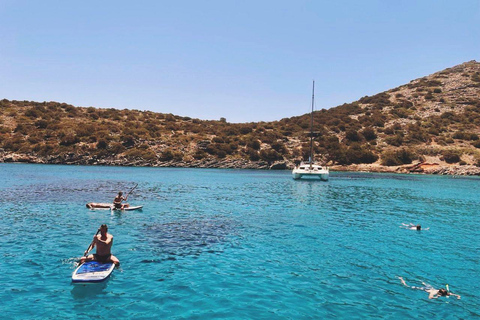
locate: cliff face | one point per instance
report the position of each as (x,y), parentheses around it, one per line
(431,124)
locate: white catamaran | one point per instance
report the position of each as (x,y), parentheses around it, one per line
(311,169)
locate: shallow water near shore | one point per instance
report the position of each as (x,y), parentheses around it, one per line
(238,244)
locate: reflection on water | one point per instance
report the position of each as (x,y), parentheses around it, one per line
(85,291)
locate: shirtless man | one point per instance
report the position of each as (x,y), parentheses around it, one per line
(103,242)
(432,292)
(117,202)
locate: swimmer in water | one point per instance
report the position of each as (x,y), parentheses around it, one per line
(432,292)
(412,226)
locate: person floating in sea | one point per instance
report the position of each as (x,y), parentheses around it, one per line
(117,202)
(103,242)
(432,292)
(412,226)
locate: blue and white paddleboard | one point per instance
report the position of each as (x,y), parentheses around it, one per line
(92,271)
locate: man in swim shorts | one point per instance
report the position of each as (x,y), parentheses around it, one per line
(103,242)
(432,292)
(117,202)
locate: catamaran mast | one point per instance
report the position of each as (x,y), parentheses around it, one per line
(311,126)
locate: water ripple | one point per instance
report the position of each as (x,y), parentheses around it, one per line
(238,244)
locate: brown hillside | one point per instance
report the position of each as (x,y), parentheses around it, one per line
(431,124)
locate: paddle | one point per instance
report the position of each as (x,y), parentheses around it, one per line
(131,191)
(90,247)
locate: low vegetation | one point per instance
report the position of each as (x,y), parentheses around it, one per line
(435,116)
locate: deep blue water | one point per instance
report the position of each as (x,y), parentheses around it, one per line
(238,244)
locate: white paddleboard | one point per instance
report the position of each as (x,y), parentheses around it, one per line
(131,208)
(92,271)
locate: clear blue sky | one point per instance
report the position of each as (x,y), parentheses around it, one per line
(242,60)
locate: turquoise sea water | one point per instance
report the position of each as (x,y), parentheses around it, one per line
(239,244)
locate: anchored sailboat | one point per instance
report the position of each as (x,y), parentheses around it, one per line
(311,169)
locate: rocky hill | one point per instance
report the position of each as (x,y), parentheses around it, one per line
(429,125)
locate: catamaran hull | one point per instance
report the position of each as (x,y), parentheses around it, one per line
(310,171)
(307,175)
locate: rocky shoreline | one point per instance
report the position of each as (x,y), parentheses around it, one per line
(73,159)
(417,168)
